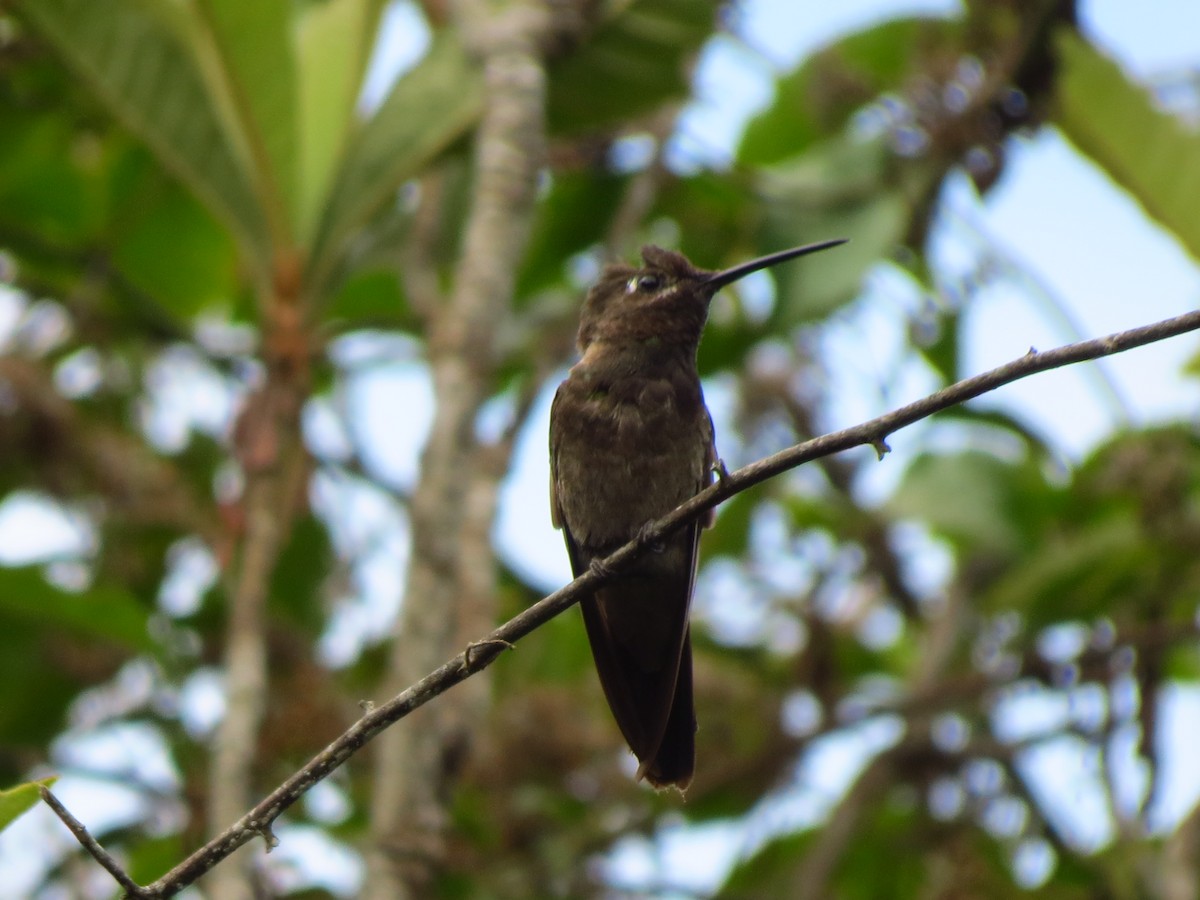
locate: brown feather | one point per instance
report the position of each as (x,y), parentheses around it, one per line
(638,631)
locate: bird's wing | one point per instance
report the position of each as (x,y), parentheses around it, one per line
(556,517)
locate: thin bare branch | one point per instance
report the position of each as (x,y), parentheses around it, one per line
(102,856)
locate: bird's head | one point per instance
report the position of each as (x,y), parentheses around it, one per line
(665,300)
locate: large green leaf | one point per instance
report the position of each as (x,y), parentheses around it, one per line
(633,64)
(574,215)
(304,562)
(53,643)
(148,857)
(842,187)
(429,108)
(713,212)
(370,294)
(47,193)
(333,44)
(981,503)
(73,192)
(166,243)
(818,98)
(1116,123)
(768,871)
(1082,575)
(103,613)
(37,690)
(128,54)
(257,70)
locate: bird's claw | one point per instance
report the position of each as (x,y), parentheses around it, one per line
(719,469)
(601,568)
(644,538)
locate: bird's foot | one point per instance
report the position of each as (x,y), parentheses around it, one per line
(601,568)
(719,469)
(646,539)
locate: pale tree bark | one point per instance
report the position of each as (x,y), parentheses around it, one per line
(451,510)
(1176,873)
(269,447)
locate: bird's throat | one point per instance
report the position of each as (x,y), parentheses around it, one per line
(646,357)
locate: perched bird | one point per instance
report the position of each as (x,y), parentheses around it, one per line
(630,440)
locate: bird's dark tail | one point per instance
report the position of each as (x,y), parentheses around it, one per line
(675,760)
(640,640)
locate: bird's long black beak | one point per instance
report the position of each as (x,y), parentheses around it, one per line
(718,280)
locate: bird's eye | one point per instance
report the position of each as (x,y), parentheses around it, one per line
(646,284)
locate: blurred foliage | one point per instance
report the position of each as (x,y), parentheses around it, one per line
(167,169)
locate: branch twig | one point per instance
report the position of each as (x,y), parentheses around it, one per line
(484,652)
(102,856)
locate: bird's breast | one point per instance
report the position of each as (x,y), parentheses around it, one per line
(627,452)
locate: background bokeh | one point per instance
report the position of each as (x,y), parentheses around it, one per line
(969,669)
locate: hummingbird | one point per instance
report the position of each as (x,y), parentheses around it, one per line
(630,440)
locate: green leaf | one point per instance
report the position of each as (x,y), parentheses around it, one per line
(974,499)
(253,54)
(168,245)
(726,345)
(16,801)
(372,296)
(1001,422)
(105,613)
(634,63)
(842,187)
(894,828)
(46,191)
(148,857)
(817,100)
(37,694)
(1182,663)
(942,353)
(1082,575)
(769,871)
(127,54)
(303,564)
(428,109)
(730,532)
(560,656)
(333,44)
(712,212)
(829,513)
(574,215)
(1116,123)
